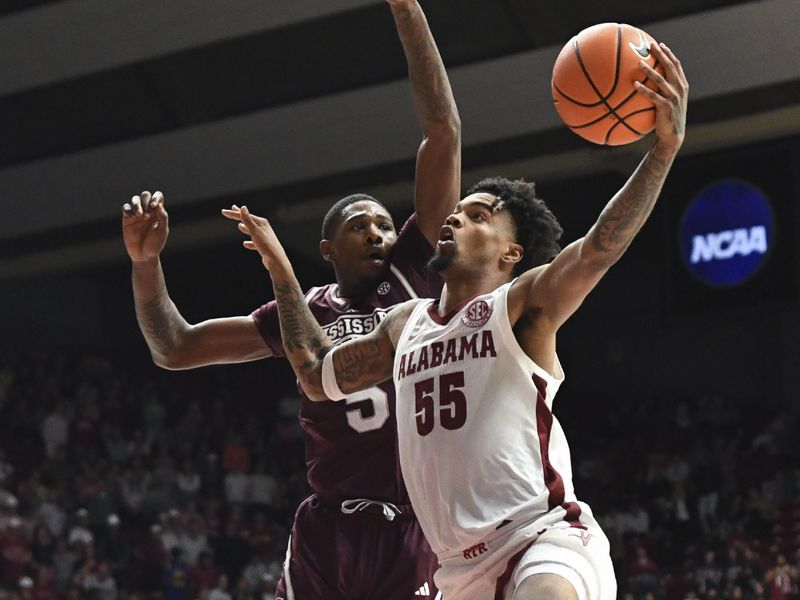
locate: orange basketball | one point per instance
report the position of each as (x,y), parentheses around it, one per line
(593,84)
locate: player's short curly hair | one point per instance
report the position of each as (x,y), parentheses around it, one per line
(334,215)
(537,229)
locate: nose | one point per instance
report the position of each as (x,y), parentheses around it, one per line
(453,220)
(374,235)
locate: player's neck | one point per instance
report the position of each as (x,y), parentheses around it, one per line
(355,291)
(458,290)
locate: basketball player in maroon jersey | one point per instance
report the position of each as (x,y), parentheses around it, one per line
(356,536)
(486,464)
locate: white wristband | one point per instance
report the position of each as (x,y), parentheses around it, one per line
(329,384)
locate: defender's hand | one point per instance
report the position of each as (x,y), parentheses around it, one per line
(262,237)
(670,99)
(145,226)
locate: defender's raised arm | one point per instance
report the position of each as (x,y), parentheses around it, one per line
(438,170)
(174,343)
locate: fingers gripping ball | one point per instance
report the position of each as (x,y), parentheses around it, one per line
(593,84)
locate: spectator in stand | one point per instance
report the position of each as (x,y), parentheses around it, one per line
(220,591)
(261,537)
(262,487)
(232,551)
(25,585)
(781,580)
(204,575)
(236,487)
(150,559)
(43,545)
(261,564)
(97,581)
(644,573)
(43,588)
(55,430)
(242,590)
(14,551)
(81,533)
(51,513)
(269,585)
(192,541)
(65,561)
(134,485)
(709,574)
(188,480)
(236,456)
(114,548)
(176,577)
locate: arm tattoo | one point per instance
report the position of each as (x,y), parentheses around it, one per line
(624,216)
(299,330)
(430,87)
(303,338)
(356,363)
(161,323)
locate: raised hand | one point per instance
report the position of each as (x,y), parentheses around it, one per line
(145,226)
(262,237)
(670,99)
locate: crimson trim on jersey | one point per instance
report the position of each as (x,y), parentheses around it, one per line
(503,580)
(433,310)
(552,478)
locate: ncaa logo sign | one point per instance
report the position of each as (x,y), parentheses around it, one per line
(726,233)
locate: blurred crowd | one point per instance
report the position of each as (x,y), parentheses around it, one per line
(700,497)
(124,481)
(130,482)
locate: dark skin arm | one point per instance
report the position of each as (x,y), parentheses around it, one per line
(542,299)
(360,363)
(173,342)
(438,171)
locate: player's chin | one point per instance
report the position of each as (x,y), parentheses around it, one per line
(441,261)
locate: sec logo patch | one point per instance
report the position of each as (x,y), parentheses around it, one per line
(384,288)
(477,314)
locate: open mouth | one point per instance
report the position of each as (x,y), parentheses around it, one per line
(446,237)
(376,257)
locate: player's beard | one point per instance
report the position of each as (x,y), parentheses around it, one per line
(440,261)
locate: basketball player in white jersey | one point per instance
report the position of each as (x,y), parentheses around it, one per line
(486,463)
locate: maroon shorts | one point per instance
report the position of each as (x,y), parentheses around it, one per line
(360,556)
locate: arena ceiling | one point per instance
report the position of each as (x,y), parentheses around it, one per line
(290,104)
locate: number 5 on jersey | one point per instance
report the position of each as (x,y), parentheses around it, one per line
(452,409)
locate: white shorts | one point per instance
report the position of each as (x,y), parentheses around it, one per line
(546,545)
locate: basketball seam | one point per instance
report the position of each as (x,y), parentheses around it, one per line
(612,111)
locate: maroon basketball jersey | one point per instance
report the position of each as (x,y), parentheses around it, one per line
(351,446)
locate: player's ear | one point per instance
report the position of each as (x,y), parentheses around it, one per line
(512,255)
(326,250)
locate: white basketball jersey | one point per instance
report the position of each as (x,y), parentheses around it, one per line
(479,445)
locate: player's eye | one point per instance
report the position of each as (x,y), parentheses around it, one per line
(478,216)
(358,226)
(386,227)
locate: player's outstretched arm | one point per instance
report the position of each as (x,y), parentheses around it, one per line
(556,290)
(174,343)
(358,364)
(438,172)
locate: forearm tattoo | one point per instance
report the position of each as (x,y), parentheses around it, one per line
(624,216)
(160,322)
(430,87)
(356,364)
(299,329)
